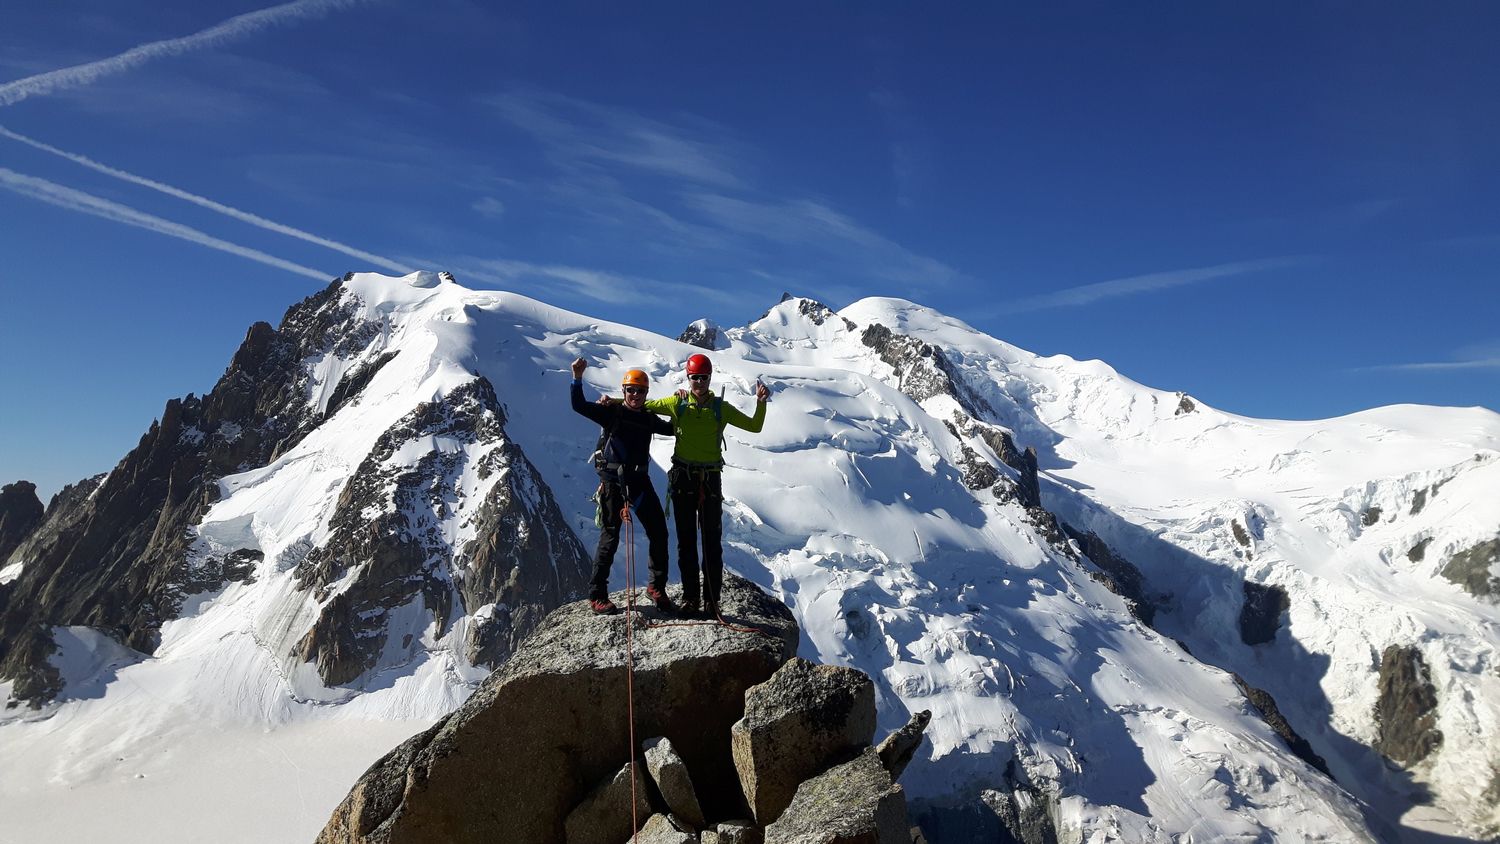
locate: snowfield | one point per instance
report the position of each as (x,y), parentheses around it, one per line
(852,506)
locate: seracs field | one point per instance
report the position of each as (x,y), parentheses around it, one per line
(1104,626)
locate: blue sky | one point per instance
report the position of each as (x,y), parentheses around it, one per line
(1286,210)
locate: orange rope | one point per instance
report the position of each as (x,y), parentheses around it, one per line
(635,821)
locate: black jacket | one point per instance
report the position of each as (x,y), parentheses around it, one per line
(628,432)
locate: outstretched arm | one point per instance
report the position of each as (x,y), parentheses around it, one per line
(753,424)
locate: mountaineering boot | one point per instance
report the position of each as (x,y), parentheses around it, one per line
(603,606)
(660,599)
(711,609)
(690,608)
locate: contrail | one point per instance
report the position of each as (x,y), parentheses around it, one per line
(1089,293)
(74,200)
(236,27)
(242,216)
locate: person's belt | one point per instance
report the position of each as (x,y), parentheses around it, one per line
(694,466)
(622,468)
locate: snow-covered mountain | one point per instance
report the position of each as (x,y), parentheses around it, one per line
(1132,616)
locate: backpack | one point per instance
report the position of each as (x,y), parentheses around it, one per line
(597,458)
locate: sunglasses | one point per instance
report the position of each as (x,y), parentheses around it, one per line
(630,391)
(699,377)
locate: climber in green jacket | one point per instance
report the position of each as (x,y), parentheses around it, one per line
(697,500)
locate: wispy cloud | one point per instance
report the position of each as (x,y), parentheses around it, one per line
(576,133)
(598,285)
(815,225)
(238,26)
(204,202)
(1480,356)
(489,206)
(75,200)
(909,144)
(1088,294)
(1436,366)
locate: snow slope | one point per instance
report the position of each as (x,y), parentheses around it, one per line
(852,506)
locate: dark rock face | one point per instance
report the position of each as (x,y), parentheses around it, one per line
(816,312)
(1184,405)
(1024,808)
(1407,708)
(702,338)
(1260,615)
(923,369)
(63,511)
(119,563)
(545,729)
(1271,714)
(354,382)
(1419,550)
(1418,501)
(1240,535)
(1369,517)
(1116,573)
(1471,569)
(20,513)
(525,559)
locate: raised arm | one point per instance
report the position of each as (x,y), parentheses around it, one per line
(595,412)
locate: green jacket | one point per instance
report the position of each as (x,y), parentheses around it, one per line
(698,431)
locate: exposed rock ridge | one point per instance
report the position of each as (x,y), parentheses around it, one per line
(20,513)
(1118,574)
(120,563)
(65,509)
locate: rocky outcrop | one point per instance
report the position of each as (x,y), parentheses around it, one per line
(856,802)
(608,814)
(674,781)
(1185,405)
(661,829)
(1260,614)
(1406,711)
(20,513)
(1271,714)
(524,561)
(1474,569)
(1025,809)
(543,751)
(1117,574)
(812,310)
(897,748)
(704,334)
(922,369)
(795,725)
(119,564)
(550,725)
(355,381)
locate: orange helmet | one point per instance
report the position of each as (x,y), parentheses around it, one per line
(699,365)
(635,378)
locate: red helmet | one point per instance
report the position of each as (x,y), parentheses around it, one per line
(699,365)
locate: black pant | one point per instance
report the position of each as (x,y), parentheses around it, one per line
(698,505)
(642,497)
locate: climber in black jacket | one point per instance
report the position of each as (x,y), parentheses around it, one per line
(623,459)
